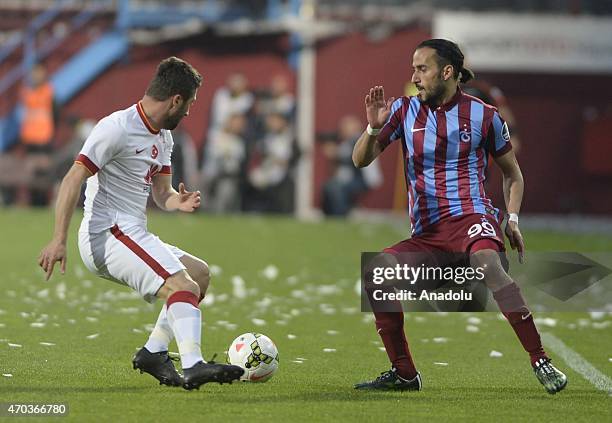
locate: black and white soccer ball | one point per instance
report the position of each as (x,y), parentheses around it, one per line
(256,354)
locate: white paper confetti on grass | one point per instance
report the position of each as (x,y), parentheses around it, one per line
(419,319)
(258,322)
(495,354)
(474,320)
(382,349)
(301,358)
(37,324)
(15,345)
(91,319)
(440,363)
(270,272)
(548,321)
(136,330)
(209,299)
(328,290)
(2,325)
(43,293)
(327,309)
(47,344)
(7,375)
(297,361)
(60,290)
(264,303)
(332,332)
(238,287)
(78,271)
(292,280)
(329,350)
(472,328)
(92,336)
(215,270)
(440,340)
(291,336)
(597,315)
(601,325)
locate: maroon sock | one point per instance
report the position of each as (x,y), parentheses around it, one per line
(390,327)
(512,305)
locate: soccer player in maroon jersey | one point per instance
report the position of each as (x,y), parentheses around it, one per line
(447,137)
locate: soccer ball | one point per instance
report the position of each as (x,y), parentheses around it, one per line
(256,354)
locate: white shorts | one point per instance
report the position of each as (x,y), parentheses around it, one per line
(131,256)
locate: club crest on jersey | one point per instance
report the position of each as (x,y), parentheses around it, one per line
(465,136)
(154,152)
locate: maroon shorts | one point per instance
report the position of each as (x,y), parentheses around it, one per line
(460,234)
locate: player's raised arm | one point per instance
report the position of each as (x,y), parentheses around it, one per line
(168,199)
(67,198)
(377,112)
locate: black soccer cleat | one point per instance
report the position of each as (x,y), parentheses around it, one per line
(552,378)
(202,373)
(159,365)
(391,381)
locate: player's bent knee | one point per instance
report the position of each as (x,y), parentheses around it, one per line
(181,281)
(201,275)
(495,276)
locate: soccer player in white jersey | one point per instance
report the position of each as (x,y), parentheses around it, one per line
(126,157)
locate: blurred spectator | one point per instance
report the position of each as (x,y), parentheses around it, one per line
(270,182)
(233,98)
(63,159)
(224,159)
(37,129)
(341,191)
(279,99)
(39,113)
(184,160)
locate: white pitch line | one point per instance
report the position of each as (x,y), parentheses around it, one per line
(578,363)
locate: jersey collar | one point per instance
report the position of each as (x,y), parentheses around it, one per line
(145,120)
(452,102)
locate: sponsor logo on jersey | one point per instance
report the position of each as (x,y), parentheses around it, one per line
(505,132)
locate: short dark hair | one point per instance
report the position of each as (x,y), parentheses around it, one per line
(449,53)
(174,76)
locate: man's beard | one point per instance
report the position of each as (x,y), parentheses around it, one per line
(434,97)
(173,121)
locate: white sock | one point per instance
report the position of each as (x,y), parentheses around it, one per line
(185,321)
(161,335)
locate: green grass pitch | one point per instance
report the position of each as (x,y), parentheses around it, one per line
(95,326)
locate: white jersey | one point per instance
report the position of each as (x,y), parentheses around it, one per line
(123,153)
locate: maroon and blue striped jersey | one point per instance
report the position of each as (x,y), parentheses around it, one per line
(445,155)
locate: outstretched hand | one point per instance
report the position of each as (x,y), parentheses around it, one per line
(377,109)
(188,201)
(516,239)
(55,251)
